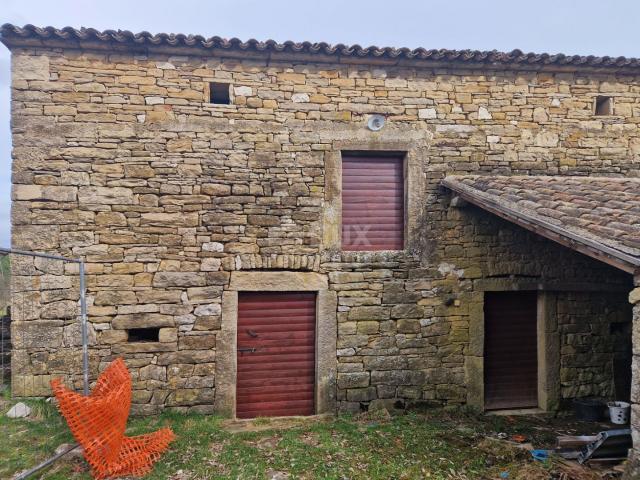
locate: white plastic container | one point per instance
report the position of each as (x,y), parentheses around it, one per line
(619,412)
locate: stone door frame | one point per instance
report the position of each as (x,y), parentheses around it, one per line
(326,334)
(548,345)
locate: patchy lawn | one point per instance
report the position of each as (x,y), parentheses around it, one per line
(434,444)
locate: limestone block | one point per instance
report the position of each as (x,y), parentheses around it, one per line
(212,247)
(203,294)
(427,113)
(215,189)
(105,195)
(210,264)
(30,67)
(346,277)
(369,313)
(41,192)
(168,335)
(210,309)
(178,279)
(158,296)
(110,337)
(142,320)
(197,342)
(170,219)
(179,145)
(353,380)
(367,327)
(37,334)
(397,377)
(224,219)
(361,394)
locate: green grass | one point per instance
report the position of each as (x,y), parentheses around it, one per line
(436,445)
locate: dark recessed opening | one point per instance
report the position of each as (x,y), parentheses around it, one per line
(604,105)
(219,93)
(143,334)
(620,328)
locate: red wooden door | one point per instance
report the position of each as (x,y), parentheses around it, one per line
(510,350)
(276,354)
(372,203)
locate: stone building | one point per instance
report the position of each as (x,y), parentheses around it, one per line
(303,228)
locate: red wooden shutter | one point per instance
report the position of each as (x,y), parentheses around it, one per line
(372,203)
(276,354)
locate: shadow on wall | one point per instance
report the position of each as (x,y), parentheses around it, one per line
(5,322)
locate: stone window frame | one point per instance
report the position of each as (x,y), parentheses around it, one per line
(385,142)
(326,334)
(207,93)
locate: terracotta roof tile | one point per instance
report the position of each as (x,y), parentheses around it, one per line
(12,35)
(601,212)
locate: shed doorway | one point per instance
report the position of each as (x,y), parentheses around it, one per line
(276,354)
(510,350)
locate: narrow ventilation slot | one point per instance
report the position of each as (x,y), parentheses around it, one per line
(143,335)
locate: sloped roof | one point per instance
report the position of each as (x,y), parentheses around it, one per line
(598,216)
(30,35)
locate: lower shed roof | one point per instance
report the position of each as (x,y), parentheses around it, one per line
(597,216)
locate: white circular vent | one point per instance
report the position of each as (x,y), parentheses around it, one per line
(375,123)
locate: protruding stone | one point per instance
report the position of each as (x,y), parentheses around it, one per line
(19,410)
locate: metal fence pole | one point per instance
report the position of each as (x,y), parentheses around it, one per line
(83,304)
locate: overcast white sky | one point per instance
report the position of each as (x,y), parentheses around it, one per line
(588,27)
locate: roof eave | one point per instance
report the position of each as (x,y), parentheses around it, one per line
(144,43)
(586,246)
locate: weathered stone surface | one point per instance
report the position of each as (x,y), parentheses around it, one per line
(172,201)
(178,279)
(210,309)
(105,195)
(30,67)
(353,380)
(369,313)
(142,320)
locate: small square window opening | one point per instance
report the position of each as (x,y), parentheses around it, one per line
(143,335)
(604,105)
(219,93)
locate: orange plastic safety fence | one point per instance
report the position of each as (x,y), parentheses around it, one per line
(98,423)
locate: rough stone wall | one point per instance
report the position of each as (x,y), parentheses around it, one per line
(413,330)
(120,159)
(595,337)
(633,465)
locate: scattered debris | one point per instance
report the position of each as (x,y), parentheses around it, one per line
(518,438)
(540,455)
(569,447)
(609,445)
(19,410)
